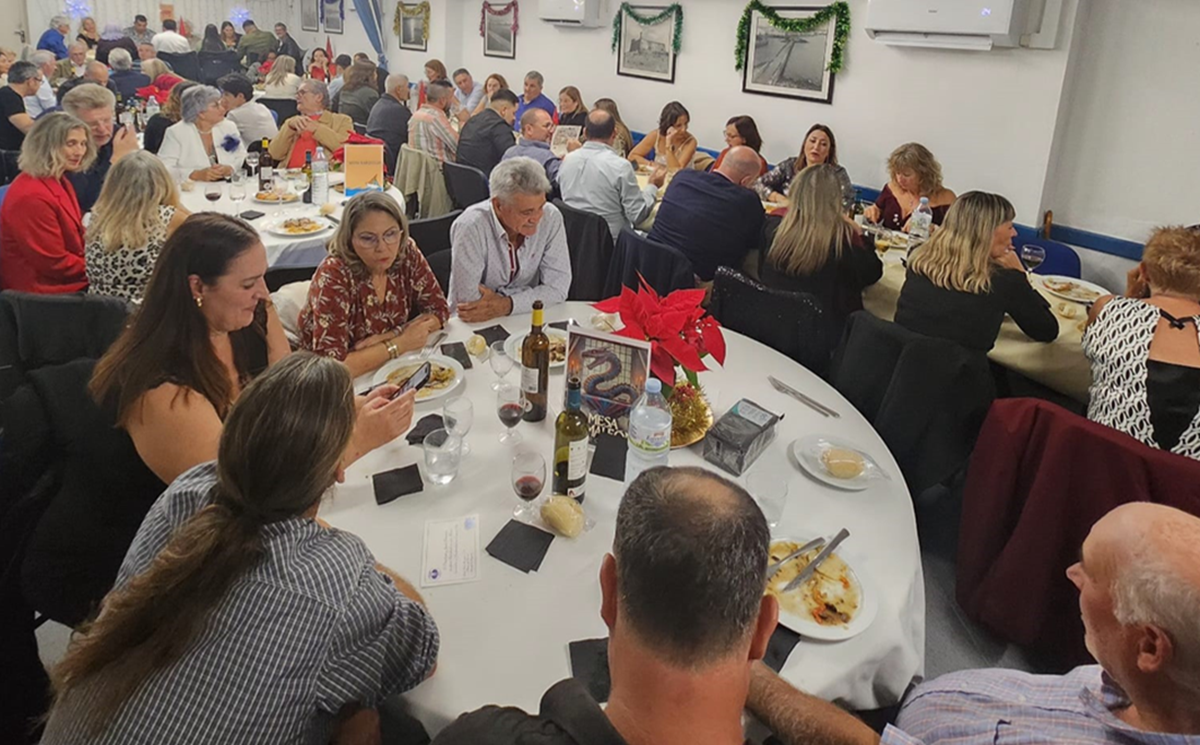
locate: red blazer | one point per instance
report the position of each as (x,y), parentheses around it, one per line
(41,237)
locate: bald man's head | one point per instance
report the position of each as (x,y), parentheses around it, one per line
(740,165)
(96,72)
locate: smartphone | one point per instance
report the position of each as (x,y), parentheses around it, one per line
(416,381)
(251,215)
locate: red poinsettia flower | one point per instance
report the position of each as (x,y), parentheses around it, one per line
(153,91)
(679,330)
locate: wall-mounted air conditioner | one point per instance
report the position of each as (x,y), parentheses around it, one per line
(964,24)
(579,13)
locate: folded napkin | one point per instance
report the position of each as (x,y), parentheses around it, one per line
(396,483)
(589,665)
(423,427)
(521,546)
(493,334)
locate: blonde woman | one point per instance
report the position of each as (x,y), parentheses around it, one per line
(282,81)
(963,282)
(913,173)
(88,33)
(137,211)
(817,250)
(571,110)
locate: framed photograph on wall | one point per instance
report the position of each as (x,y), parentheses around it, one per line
(789,64)
(647,51)
(310,15)
(500,31)
(333,11)
(412,33)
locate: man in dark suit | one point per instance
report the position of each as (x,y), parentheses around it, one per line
(285,44)
(389,118)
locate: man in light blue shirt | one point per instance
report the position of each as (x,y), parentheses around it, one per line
(595,179)
(44,100)
(510,250)
(467,92)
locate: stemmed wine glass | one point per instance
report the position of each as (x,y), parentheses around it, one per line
(528,480)
(252,163)
(510,406)
(458,415)
(212,191)
(501,363)
(1032,256)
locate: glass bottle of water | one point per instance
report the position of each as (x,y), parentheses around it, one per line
(649,431)
(320,178)
(922,218)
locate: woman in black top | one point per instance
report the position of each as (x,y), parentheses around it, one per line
(571,111)
(817,250)
(156,127)
(962,283)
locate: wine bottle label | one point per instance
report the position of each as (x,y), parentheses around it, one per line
(529,379)
(577,461)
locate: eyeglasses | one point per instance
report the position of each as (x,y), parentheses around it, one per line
(371,241)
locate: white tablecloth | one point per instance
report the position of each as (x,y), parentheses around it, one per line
(281,251)
(504,637)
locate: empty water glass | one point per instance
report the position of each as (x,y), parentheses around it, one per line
(443,451)
(500,361)
(770,492)
(458,415)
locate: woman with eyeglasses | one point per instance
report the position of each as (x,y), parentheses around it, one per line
(374,297)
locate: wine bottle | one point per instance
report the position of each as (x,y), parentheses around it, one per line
(571,445)
(308,160)
(266,168)
(535,368)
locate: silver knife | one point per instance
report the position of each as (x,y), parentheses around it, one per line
(817,406)
(771,569)
(807,571)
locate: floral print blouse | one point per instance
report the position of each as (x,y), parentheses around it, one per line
(342,307)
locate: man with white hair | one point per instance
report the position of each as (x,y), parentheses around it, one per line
(75,63)
(44,100)
(54,39)
(510,250)
(126,79)
(389,118)
(95,106)
(429,129)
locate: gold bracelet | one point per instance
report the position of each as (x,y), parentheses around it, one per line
(392,349)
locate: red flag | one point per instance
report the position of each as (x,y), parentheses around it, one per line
(183,27)
(329,54)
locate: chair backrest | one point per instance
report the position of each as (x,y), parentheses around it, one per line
(591,246)
(439,264)
(216,65)
(792,323)
(467,185)
(663,267)
(420,175)
(1061,259)
(8,166)
(186,66)
(282,108)
(279,276)
(432,234)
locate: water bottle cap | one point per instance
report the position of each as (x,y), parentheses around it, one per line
(653,385)
(924,200)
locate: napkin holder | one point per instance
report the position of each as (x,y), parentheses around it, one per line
(740,436)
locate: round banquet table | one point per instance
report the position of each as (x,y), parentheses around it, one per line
(303,251)
(504,637)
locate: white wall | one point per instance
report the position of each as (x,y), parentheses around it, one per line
(1127,150)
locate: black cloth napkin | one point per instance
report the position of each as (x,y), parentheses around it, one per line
(423,427)
(561,325)
(493,334)
(520,545)
(589,665)
(783,641)
(396,483)
(609,460)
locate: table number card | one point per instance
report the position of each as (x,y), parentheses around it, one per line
(364,168)
(451,552)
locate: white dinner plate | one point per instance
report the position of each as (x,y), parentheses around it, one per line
(275,228)
(512,346)
(807,627)
(1070,294)
(807,453)
(414,358)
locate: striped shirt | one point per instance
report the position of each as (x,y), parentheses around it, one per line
(978,707)
(430,132)
(311,627)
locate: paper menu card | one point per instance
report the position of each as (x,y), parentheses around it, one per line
(562,135)
(451,552)
(363,168)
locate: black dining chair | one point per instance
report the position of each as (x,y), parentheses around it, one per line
(663,267)
(216,65)
(432,234)
(467,185)
(186,66)
(792,323)
(279,276)
(284,108)
(439,264)
(591,246)
(8,166)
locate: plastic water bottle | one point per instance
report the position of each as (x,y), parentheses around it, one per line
(152,107)
(922,218)
(320,178)
(649,431)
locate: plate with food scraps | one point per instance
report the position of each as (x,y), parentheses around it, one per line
(558,346)
(296,226)
(270,197)
(833,605)
(836,462)
(445,374)
(1072,288)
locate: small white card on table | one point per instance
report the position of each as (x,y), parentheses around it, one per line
(451,551)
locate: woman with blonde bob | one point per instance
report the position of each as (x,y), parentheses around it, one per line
(41,226)
(231,571)
(282,81)
(1145,347)
(964,280)
(913,173)
(374,297)
(818,250)
(137,211)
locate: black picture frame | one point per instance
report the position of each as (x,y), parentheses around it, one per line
(310,15)
(413,34)
(333,13)
(767,77)
(495,28)
(637,55)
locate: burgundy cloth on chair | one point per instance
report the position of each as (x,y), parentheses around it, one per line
(1039,478)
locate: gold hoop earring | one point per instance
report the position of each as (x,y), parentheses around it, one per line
(199,302)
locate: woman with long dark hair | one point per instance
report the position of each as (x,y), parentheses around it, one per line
(742,130)
(819,146)
(212,40)
(674,147)
(237,615)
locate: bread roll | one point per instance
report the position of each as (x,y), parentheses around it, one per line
(842,463)
(564,515)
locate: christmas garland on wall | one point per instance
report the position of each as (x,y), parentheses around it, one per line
(499,10)
(841,30)
(648,21)
(410,11)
